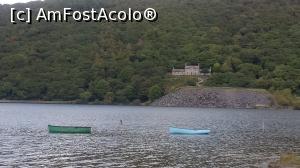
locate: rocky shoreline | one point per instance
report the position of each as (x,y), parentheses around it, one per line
(213,97)
(204,97)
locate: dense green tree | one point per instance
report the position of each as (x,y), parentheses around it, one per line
(216,67)
(251,70)
(155,92)
(109,98)
(99,88)
(85,96)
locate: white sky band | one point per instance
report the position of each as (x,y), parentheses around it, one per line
(15,1)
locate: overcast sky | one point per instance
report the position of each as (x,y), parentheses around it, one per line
(13,1)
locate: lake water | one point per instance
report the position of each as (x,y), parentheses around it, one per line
(238,138)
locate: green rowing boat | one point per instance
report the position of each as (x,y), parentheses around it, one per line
(69,129)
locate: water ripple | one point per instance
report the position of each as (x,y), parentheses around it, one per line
(237,138)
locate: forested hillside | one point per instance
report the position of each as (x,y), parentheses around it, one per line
(248,43)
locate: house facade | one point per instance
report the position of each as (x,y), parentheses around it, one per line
(189,70)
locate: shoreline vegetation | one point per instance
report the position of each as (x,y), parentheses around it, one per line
(287,160)
(198,97)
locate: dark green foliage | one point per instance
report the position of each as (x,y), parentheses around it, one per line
(109,98)
(155,92)
(229,79)
(191,82)
(85,96)
(99,88)
(248,43)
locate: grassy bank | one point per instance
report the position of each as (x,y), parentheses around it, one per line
(173,83)
(285,98)
(289,160)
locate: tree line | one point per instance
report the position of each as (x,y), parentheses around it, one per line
(248,43)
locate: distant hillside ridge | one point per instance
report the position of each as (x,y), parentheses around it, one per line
(247,44)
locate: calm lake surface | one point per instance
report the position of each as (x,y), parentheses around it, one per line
(237,139)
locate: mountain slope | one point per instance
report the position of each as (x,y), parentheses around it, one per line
(249,43)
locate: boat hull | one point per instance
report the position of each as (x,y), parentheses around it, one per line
(69,129)
(188,131)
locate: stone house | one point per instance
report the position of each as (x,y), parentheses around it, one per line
(190,70)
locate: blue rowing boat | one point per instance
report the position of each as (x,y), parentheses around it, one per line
(188,131)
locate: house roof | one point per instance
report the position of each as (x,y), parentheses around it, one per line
(192,67)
